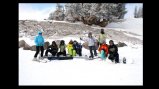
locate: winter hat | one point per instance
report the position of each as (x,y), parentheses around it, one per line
(39,32)
(111,41)
(102,31)
(89,34)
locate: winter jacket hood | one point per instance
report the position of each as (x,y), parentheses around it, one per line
(70,46)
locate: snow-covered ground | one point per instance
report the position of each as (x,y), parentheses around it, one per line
(80,71)
(87,72)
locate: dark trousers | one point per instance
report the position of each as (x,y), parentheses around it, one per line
(53,53)
(92,48)
(41,48)
(79,52)
(61,53)
(115,57)
(98,45)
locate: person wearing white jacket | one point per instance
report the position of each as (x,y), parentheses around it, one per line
(91,43)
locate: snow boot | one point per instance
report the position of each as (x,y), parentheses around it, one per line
(90,58)
(34,59)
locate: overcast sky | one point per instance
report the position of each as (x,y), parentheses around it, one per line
(40,11)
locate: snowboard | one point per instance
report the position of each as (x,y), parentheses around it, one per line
(60,58)
(41,60)
(85,57)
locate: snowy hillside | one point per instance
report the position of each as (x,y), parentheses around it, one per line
(130,30)
(134,25)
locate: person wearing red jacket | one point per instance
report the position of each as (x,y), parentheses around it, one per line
(103,49)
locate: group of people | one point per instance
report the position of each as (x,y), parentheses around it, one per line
(103,48)
(75,48)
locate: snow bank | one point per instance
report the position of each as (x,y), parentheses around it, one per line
(134,25)
(130,35)
(59,21)
(29,41)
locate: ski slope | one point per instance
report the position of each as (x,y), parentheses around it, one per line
(134,25)
(80,71)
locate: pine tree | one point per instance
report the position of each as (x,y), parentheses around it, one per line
(140,12)
(51,16)
(70,11)
(58,14)
(101,11)
(135,12)
(122,10)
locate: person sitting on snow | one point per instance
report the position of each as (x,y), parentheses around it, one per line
(39,41)
(103,50)
(78,47)
(53,49)
(62,48)
(113,51)
(74,45)
(71,50)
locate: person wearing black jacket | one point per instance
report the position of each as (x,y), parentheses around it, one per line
(113,51)
(53,49)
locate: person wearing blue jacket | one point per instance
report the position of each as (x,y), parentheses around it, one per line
(39,41)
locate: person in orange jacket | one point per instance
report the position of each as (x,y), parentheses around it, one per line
(103,49)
